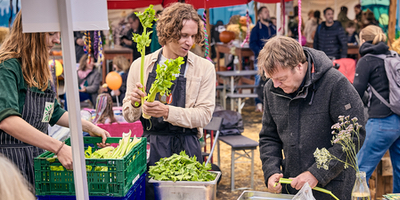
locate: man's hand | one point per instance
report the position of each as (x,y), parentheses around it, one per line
(272,181)
(156,109)
(137,94)
(305,177)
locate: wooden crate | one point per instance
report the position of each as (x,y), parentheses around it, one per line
(381,181)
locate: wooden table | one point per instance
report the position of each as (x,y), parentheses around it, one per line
(239,51)
(110,53)
(226,75)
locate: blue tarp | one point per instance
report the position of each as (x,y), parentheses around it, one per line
(225,13)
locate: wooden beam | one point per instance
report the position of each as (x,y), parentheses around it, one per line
(392,22)
(255,12)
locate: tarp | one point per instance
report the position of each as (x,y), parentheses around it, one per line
(197,4)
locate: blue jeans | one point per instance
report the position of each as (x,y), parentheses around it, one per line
(382,134)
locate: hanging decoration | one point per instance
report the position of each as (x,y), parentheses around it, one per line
(206,36)
(87,45)
(100,49)
(95,44)
(299,24)
(248,28)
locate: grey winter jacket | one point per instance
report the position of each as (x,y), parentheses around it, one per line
(300,125)
(93,83)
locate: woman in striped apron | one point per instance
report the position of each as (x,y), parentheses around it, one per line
(27,102)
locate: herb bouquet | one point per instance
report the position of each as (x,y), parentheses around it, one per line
(343,134)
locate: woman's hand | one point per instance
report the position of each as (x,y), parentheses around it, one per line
(96,131)
(65,156)
(83,89)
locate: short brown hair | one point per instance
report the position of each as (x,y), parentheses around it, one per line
(373,33)
(280,51)
(170,23)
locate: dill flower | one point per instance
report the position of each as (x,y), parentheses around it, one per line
(343,132)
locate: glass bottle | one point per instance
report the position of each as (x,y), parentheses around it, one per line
(360,189)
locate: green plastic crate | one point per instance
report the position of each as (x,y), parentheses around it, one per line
(116,181)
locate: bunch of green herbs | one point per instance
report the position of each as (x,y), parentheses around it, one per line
(181,168)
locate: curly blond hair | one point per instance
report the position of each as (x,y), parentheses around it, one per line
(170,23)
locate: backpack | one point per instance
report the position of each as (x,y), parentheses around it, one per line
(392,68)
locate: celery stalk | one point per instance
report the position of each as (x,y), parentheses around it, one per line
(288,181)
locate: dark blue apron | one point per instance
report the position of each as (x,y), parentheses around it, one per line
(166,139)
(37,111)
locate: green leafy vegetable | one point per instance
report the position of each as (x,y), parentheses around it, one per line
(146,19)
(181,168)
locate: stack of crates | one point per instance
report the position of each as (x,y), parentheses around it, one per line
(120,179)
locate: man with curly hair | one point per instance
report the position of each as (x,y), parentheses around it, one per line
(176,126)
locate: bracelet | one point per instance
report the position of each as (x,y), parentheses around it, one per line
(60,148)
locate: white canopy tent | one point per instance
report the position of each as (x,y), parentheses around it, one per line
(307,5)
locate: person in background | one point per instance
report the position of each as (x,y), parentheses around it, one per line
(383,126)
(351,33)
(330,37)
(310,15)
(136,27)
(12,184)
(311,26)
(120,29)
(155,45)
(121,66)
(89,79)
(261,32)
(342,16)
(27,102)
(104,111)
(273,21)
(302,100)
(368,18)
(358,19)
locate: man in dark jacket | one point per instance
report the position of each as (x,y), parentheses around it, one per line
(302,100)
(136,28)
(262,31)
(330,37)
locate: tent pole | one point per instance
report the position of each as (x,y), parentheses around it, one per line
(392,22)
(279,27)
(74,117)
(208,27)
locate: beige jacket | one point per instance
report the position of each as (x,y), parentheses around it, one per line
(200,93)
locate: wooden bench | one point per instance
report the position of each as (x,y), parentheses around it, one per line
(239,143)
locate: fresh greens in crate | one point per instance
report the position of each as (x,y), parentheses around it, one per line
(181,168)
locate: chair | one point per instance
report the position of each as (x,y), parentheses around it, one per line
(214,125)
(239,143)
